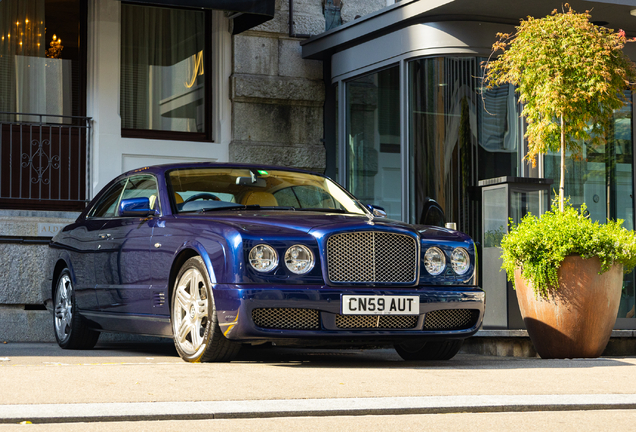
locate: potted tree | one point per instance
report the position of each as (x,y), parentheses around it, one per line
(570,75)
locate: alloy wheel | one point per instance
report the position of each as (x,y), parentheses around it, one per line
(191,311)
(63,308)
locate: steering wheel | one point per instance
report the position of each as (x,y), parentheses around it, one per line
(204,196)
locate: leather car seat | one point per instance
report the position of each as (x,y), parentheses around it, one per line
(264,199)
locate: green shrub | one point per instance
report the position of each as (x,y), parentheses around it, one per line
(539,245)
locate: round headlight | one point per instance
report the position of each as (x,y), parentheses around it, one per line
(460,261)
(434,261)
(299,259)
(263,258)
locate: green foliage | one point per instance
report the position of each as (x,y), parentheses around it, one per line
(563,65)
(539,245)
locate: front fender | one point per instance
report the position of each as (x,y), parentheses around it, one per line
(54,255)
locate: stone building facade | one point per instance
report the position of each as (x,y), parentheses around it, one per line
(265,105)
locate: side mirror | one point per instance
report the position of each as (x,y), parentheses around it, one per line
(376,210)
(135,207)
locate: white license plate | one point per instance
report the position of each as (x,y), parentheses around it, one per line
(380,305)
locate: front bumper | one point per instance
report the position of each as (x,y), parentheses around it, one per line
(235,303)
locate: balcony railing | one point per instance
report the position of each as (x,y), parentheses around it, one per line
(44,161)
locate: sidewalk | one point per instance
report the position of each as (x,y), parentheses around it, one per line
(125,382)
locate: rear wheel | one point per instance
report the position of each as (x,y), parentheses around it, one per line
(70,330)
(197,335)
(434,350)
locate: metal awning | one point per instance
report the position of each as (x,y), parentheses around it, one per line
(247,13)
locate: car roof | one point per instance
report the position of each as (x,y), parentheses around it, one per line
(162,169)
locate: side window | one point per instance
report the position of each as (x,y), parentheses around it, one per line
(108,204)
(142,187)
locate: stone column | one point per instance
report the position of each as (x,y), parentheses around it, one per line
(277,97)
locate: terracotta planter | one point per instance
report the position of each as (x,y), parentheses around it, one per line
(577,319)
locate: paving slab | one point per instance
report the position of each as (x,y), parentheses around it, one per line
(561,421)
(36,374)
(109,412)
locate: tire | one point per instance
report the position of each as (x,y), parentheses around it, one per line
(69,327)
(197,335)
(435,350)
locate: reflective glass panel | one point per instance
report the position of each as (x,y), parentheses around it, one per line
(458,134)
(162,74)
(373,140)
(40,62)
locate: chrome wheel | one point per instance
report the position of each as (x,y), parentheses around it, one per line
(71,330)
(197,335)
(191,311)
(63,308)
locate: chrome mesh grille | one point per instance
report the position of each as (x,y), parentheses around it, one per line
(372,257)
(451,319)
(376,321)
(286,318)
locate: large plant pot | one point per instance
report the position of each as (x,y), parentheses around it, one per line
(577,318)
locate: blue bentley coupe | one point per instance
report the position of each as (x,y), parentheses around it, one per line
(217,255)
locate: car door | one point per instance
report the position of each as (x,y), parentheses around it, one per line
(85,246)
(122,266)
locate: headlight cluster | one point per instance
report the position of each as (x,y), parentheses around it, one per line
(435,261)
(298,259)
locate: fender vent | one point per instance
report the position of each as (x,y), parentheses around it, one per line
(159,299)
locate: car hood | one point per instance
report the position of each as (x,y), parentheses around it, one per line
(278,222)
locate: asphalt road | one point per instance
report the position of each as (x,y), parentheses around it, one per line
(326,388)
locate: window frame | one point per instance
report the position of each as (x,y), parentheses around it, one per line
(125,181)
(205,136)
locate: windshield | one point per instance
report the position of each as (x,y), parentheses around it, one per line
(207,189)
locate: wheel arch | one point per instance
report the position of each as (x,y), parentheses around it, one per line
(59,267)
(178,262)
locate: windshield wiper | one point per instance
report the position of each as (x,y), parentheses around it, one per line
(321,209)
(231,207)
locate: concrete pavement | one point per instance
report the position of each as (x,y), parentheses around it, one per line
(144,382)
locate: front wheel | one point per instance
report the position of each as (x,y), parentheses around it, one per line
(434,350)
(70,330)
(197,335)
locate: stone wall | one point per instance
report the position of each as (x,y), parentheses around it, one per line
(278,97)
(23,248)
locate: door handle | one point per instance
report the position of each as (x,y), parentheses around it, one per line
(103,236)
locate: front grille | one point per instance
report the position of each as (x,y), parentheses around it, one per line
(372,257)
(286,318)
(374,322)
(451,319)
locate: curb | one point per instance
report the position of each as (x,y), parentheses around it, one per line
(109,412)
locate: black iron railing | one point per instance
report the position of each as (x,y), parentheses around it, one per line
(44,161)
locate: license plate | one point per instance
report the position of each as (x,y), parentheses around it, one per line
(380,305)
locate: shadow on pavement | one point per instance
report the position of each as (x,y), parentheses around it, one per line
(306,357)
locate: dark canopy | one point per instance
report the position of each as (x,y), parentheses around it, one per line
(250,13)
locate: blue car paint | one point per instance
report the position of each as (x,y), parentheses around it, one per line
(223,240)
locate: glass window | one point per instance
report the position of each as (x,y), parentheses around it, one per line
(107,205)
(41,66)
(457,136)
(163,53)
(142,187)
(222,188)
(373,140)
